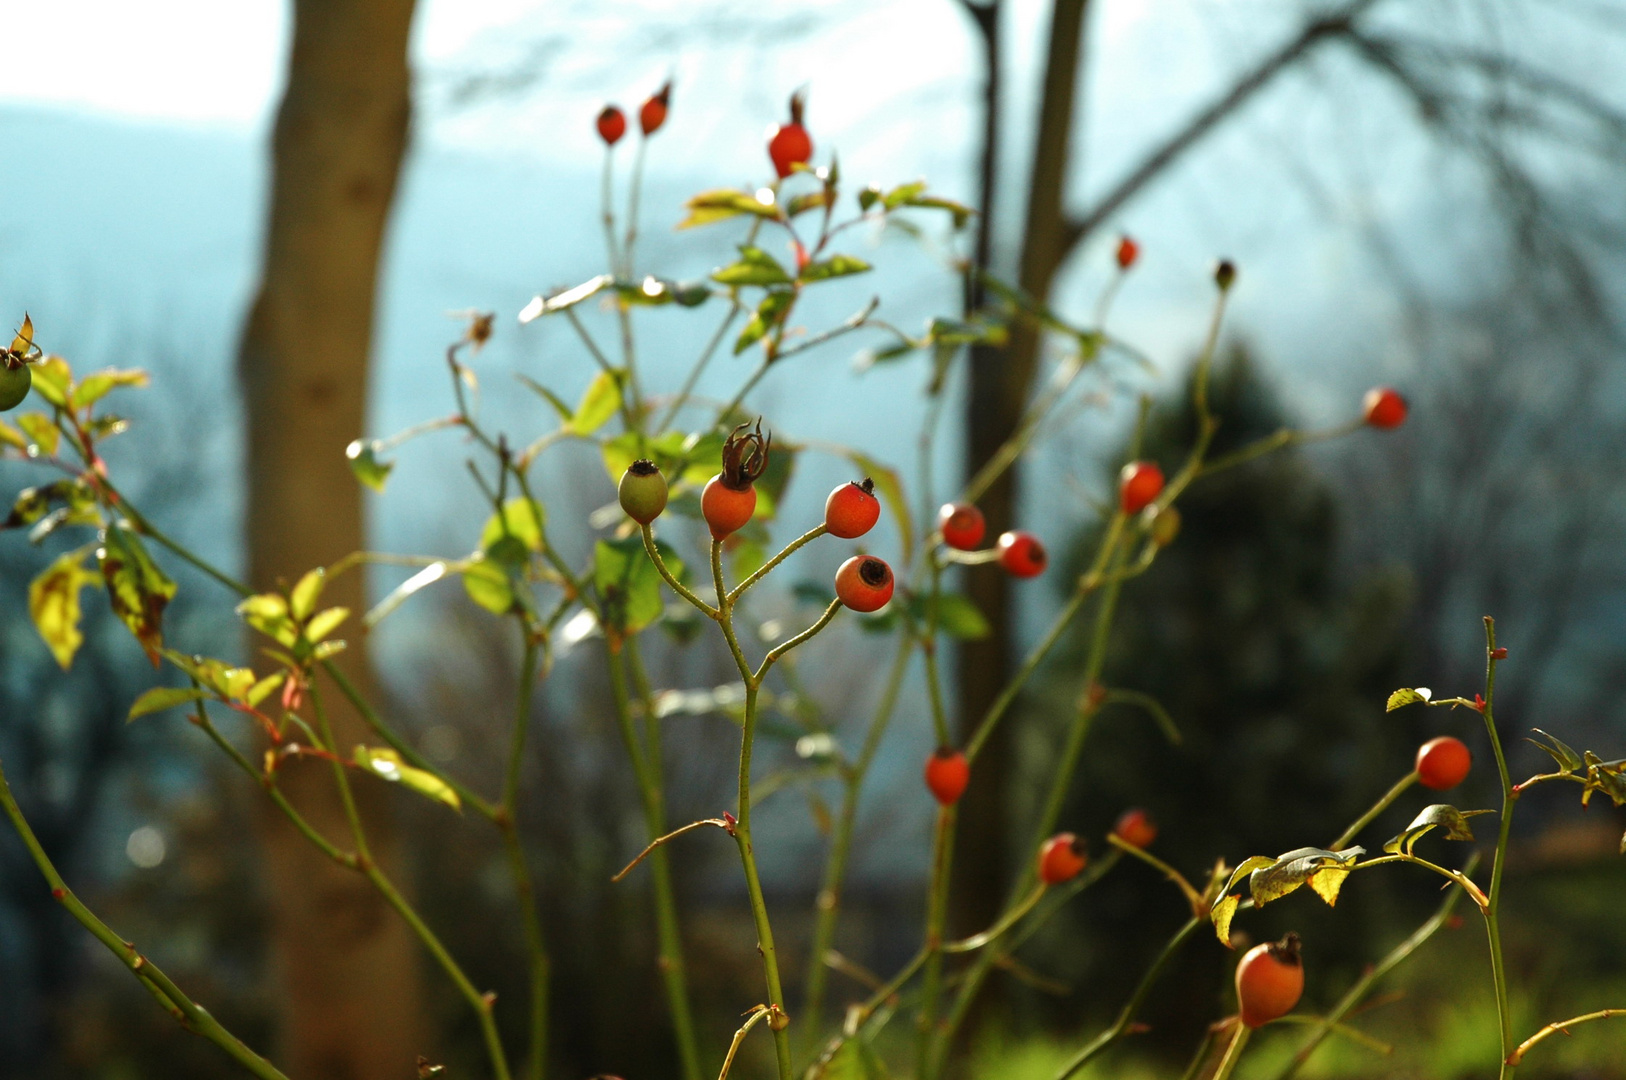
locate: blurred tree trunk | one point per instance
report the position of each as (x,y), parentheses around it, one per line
(348,967)
(1000,379)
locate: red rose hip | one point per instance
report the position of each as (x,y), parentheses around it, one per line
(852,509)
(729,499)
(1383,408)
(1269,981)
(1443,763)
(790,145)
(652,113)
(864,583)
(1061,858)
(1022,555)
(1139,483)
(962,526)
(1136,828)
(947,774)
(1128,252)
(612,124)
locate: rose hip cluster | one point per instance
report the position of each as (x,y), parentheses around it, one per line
(864,583)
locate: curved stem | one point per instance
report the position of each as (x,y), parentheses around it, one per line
(666,575)
(1349,834)
(1233,1053)
(766,568)
(759,906)
(1492,908)
(1559,1026)
(784,647)
(524,890)
(188,1013)
(936,916)
(1126,1016)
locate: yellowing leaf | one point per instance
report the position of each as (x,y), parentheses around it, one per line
(40,430)
(1223,913)
(98,385)
(521,519)
(302,599)
(160,698)
(387,765)
(600,402)
(324,623)
(53,604)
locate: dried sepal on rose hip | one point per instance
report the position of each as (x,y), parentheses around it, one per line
(1022,555)
(1269,981)
(1136,828)
(1062,858)
(852,509)
(729,498)
(1139,484)
(864,583)
(1443,763)
(612,124)
(789,145)
(1383,408)
(947,774)
(643,491)
(962,526)
(16,378)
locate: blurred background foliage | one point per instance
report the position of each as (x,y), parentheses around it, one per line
(1303,587)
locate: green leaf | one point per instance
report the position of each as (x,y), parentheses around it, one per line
(324,623)
(1455,822)
(1406,696)
(365,464)
(800,204)
(97,386)
(1298,867)
(230,682)
(565,412)
(567,298)
(628,584)
(769,314)
(903,193)
(960,212)
(521,519)
(487,584)
(33,503)
(53,380)
(833,267)
(387,765)
(1604,776)
(10,436)
(160,698)
(600,402)
(262,689)
(755,267)
(53,604)
(302,600)
(1568,760)
(41,431)
(138,590)
(961,619)
(268,613)
(720,204)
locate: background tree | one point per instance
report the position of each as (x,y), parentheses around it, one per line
(348,965)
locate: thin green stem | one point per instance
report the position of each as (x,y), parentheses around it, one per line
(1233,1053)
(674,972)
(188,1013)
(766,568)
(1120,1026)
(1558,1026)
(1000,928)
(667,576)
(1193,898)
(1492,909)
(1349,834)
(784,647)
(759,906)
(524,890)
(936,917)
(835,867)
(693,378)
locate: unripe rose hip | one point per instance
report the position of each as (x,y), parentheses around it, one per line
(1022,555)
(1225,274)
(15,382)
(1383,408)
(962,526)
(612,124)
(652,114)
(642,491)
(1443,763)
(1165,526)
(1136,828)
(1139,483)
(1269,981)
(864,583)
(790,145)
(1061,858)
(947,774)
(852,509)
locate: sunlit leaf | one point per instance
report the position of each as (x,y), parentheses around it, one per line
(559,301)
(365,463)
(422,579)
(720,204)
(1222,914)
(1568,760)
(387,765)
(227,680)
(53,380)
(10,436)
(325,622)
(833,267)
(1440,814)
(1297,867)
(768,314)
(96,386)
(522,519)
(53,604)
(755,267)
(628,584)
(302,598)
(1408,696)
(487,584)
(41,432)
(262,689)
(565,411)
(600,402)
